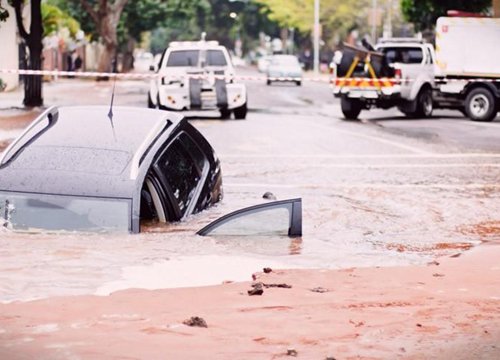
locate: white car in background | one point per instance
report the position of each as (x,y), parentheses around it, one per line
(197,75)
(284,68)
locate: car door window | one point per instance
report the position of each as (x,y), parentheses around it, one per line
(276,218)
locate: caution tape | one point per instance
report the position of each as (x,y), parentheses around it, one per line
(201,76)
(338,81)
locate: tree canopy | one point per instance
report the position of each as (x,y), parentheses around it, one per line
(424,13)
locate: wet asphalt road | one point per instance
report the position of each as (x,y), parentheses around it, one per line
(381,191)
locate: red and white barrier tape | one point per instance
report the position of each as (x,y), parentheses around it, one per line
(335,81)
(91,74)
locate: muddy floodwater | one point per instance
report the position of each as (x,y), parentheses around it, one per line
(370,197)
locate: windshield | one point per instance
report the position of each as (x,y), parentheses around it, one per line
(216,58)
(285,60)
(183,58)
(35,212)
(405,55)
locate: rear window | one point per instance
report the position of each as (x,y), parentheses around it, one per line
(408,55)
(216,58)
(183,58)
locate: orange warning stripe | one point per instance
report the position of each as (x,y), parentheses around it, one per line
(366,82)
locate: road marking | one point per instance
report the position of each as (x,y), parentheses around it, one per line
(490,125)
(365,186)
(391,166)
(373,138)
(362,156)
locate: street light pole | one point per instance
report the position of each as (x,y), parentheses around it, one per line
(316,36)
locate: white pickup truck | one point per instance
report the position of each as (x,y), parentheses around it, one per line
(197,75)
(399,72)
(468,66)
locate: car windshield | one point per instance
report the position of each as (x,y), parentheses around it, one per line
(284,60)
(34,212)
(183,58)
(406,55)
(216,58)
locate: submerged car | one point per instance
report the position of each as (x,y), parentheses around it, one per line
(87,169)
(284,68)
(197,75)
(91,168)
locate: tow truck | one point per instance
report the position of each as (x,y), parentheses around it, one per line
(197,75)
(396,72)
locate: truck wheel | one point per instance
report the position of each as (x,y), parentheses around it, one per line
(351,108)
(240,113)
(225,113)
(480,105)
(268,82)
(424,103)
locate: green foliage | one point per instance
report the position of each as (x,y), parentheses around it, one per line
(424,13)
(338,17)
(4,14)
(54,19)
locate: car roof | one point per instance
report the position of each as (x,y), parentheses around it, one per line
(82,153)
(195,45)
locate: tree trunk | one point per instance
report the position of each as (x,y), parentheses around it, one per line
(33,83)
(33,39)
(107,57)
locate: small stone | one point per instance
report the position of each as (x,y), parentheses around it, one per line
(291,352)
(195,321)
(267,270)
(269,196)
(257,289)
(437,275)
(319,289)
(433,263)
(419,325)
(330,358)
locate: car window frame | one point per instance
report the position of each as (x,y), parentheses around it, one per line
(170,205)
(293,205)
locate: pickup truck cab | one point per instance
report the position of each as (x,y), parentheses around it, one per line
(396,72)
(197,75)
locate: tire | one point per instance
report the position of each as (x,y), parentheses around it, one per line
(350,108)
(240,113)
(150,103)
(424,103)
(299,83)
(480,105)
(268,82)
(225,113)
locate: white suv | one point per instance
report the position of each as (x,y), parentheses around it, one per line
(197,75)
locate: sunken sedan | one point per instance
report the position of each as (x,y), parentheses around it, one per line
(95,169)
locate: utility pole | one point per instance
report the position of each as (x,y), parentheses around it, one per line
(316,36)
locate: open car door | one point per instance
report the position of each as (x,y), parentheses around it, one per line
(275,218)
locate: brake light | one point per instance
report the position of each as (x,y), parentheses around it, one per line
(397,73)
